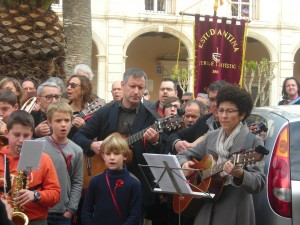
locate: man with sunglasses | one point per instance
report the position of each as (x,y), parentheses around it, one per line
(47,93)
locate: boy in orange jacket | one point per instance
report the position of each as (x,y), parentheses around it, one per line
(42,188)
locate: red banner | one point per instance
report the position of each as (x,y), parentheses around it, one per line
(219,49)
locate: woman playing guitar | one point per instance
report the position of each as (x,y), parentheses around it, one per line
(233,185)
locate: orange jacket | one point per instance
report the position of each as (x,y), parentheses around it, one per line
(44,180)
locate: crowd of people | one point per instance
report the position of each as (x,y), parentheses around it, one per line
(59,114)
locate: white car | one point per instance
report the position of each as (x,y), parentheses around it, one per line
(279,203)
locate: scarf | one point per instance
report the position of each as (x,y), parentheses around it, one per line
(223,146)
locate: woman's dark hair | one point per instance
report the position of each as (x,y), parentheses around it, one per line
(283,92)
(240,97)
(86,87)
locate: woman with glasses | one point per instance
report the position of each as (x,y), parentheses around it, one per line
(234,205)
(79,90)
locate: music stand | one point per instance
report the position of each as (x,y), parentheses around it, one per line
(169,176)
(30,155)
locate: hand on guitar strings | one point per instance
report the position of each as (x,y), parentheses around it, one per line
(234,170)
(95,147)
(187,166)
(151,135)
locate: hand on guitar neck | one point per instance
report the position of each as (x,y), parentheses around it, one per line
(150,135)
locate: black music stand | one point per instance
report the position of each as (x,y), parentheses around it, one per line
(169,177)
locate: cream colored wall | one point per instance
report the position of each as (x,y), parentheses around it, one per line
(144,52)
(116,26)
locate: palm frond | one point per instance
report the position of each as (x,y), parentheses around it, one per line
(45,4)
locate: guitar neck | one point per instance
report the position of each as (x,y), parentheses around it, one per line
(134,138)
(212,171)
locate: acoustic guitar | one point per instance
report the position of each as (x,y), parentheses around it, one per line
(166,124)
(207,179)
(91,163)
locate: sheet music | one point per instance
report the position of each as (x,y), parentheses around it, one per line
(165,182)
(30,155)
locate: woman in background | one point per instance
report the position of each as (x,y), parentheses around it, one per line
(14,85)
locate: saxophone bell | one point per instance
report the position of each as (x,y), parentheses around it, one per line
(18,217)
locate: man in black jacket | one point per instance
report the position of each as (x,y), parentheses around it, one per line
(128,117)
(186,138)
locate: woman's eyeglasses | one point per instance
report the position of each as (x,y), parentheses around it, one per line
(72,85)
(145,94)
(227,111)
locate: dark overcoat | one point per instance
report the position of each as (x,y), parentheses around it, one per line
(103,123)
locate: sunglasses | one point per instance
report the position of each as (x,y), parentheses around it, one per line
(145,94)
(72,85)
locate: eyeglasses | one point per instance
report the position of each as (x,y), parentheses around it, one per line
(51,97)
(73,85)
(145,94)
(184,100)
(227,111)
(171,106)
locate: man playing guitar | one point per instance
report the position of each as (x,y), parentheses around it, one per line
(127,116)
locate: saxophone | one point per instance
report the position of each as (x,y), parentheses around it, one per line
(18,217)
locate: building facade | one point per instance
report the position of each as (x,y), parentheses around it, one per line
(153,34)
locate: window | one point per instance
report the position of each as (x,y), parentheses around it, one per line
(242,8)
(57,3)
(158,6)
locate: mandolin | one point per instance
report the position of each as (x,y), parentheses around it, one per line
(208,179)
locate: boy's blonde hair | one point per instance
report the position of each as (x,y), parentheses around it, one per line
(115,143)
(59,106)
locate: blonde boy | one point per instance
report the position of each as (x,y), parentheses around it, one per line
(114,196)
(67,159)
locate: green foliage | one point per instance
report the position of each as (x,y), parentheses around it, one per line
(181,76)
(261,75)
